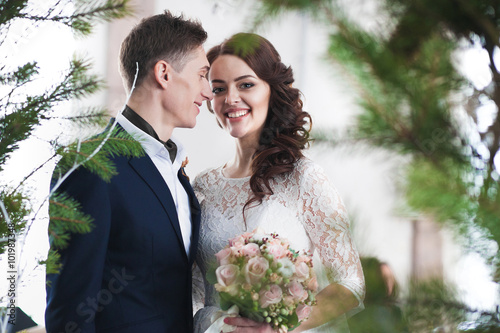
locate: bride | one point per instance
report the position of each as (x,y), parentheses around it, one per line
(270,184)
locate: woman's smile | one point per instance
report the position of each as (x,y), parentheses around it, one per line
(234,114)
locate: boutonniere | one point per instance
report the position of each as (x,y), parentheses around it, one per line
(184,163)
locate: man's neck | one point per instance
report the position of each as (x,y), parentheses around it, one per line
(153,114)
(144,126)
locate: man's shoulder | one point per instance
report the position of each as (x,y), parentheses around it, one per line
(105,158)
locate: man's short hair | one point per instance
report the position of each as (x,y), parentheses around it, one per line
(159,37)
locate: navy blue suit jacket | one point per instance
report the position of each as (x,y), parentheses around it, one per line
(131,272)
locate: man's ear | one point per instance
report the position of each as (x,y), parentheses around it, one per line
(162,72)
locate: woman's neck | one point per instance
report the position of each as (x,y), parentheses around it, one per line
(241,165)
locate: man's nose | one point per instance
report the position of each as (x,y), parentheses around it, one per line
(206,92)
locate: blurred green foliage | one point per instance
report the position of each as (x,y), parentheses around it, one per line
(416,102)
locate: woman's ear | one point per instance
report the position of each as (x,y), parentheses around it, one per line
(161,73)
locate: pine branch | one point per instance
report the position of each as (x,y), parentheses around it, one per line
(18,125)
(41,166)
(52,263)
(21,76)
(86,15)
(488,28)
(11,9)
(118,144)
(22,113)
(65,219)
(13,211)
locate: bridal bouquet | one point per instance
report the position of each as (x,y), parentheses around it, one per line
(266,279)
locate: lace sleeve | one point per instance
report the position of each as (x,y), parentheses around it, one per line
(198,289)
(202,314)
(327,223)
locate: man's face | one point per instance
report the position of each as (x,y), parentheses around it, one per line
(187,90)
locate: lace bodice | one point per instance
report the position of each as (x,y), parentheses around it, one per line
(305,208)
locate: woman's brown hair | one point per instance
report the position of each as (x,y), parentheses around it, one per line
(284,134)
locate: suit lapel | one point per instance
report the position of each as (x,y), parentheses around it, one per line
(195,213)
(148,172)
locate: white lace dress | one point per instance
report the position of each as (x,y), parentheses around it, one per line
(305,208)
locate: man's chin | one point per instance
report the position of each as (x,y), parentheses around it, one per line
(190,125)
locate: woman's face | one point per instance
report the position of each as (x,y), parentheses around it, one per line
(241,99)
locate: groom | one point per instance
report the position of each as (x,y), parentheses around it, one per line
(132,272)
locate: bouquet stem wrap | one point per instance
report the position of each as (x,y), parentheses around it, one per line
(218,324)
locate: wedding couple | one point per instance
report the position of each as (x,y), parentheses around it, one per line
(133,271)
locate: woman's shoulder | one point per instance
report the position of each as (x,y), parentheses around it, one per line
(206,177)
(307,167)
(308,174)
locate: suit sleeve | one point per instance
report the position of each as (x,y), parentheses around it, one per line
(73,295)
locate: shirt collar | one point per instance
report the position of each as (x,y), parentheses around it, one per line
(151,145)
(144,126)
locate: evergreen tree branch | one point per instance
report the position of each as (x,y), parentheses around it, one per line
(53,192)
(20,123)
(41,166)
(82,20)
(488,28)
(65,219)
(22,113)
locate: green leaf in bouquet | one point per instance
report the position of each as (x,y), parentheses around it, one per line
(255,316)
(294,253)
(226,301)
(293,321)
(211,276)
(245,306)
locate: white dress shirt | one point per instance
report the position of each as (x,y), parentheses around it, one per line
(168,170)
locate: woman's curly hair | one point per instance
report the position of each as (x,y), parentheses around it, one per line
(284,134)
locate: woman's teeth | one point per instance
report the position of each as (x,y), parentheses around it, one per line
(237,114)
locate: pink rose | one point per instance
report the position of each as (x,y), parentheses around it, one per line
(303,311)
(296,290)
(277,249)
(250,250)
(288,301)
(227,274)
(256,269)
(271,296)
(237,242)
(303,258)
(302,271)
(224,256)
(312,285)
(247,235)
